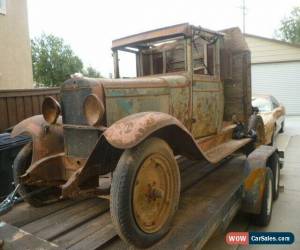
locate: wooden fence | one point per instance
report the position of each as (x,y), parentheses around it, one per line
(16,105)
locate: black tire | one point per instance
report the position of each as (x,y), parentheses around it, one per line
(282,128)
(20,165)
(273,163)
(124,182)
(263,218)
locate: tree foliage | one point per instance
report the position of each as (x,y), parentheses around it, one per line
(289,29)
(91,72)
(53,61)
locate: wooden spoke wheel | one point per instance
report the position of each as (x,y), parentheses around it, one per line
(145,192)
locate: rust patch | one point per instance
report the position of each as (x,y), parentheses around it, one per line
(255,182)
(132,129)
(47,139)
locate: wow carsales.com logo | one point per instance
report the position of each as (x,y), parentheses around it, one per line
(249,238)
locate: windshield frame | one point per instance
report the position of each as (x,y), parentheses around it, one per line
(138,51)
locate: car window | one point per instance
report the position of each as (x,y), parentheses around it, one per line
(263,104)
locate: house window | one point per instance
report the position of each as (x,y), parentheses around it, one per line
(3,7)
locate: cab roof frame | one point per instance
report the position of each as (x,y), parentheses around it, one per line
(135,41)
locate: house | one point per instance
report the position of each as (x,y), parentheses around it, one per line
(276,70)
(15,51)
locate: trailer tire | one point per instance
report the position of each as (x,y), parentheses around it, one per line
(275,167)
(20,165)
(264,217)
(145,192)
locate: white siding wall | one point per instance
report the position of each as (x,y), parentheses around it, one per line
(282,80)
(263,50)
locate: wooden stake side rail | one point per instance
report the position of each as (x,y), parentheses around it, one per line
(208,195)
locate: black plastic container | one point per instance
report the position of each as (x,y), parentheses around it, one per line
(9,148)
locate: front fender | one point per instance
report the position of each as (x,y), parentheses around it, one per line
(127,133)
(131,130)
(47,139)
(254,184)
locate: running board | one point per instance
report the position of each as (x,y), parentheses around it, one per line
(225,149)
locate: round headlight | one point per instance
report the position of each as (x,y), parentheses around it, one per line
(50,109)
(93,109)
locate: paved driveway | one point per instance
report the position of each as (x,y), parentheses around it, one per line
(286,210)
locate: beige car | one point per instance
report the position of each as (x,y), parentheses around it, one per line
(272,113)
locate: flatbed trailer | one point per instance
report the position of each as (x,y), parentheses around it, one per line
(211,196)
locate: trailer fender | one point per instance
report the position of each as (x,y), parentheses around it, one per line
(127,133)
(47,139)
(255,181)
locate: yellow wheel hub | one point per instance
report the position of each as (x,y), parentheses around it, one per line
(153,191)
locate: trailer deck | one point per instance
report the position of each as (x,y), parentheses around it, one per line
(210,197)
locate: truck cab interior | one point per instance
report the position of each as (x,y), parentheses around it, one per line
(168,53)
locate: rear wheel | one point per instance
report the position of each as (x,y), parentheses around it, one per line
(21,163)
(145,192)
(264,217)
(275,167)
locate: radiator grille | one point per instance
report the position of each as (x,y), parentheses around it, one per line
(79,142)
(72,105)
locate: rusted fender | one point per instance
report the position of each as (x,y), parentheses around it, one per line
(47,139)
(254,184)
(51,170)
(127,133)
(133,129)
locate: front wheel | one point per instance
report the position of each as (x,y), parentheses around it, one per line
(145,192)
(21,163)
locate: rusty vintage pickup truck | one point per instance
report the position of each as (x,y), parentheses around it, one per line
(118,138)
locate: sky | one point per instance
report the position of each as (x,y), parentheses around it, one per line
(89,26)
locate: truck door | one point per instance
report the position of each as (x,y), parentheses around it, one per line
(207,89)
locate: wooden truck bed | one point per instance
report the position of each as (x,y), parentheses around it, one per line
(210,198)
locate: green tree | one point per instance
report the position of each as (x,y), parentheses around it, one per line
(289,29)
(91,72)
(53,61)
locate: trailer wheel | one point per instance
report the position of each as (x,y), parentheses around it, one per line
(20,165)
(275,167)
(264,217)
(145,192)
